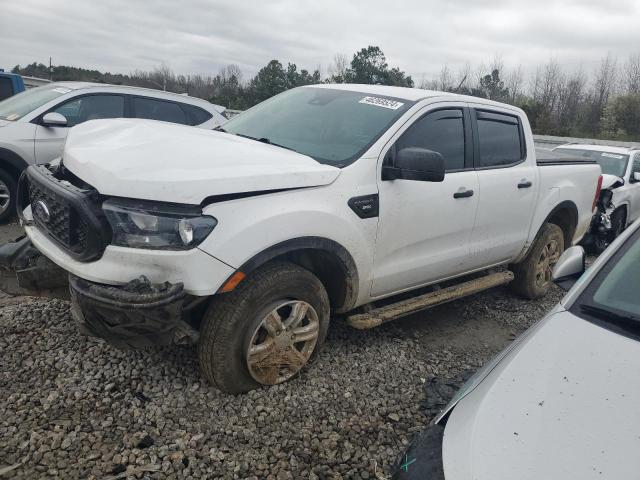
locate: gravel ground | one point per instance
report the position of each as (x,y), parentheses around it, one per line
(74,407)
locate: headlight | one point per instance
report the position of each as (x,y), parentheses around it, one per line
(140,224)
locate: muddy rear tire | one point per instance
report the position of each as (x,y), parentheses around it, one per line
(266,330)
(533,277)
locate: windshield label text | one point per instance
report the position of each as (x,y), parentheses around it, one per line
(382,102)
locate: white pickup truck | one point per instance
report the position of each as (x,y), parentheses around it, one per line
(322,199)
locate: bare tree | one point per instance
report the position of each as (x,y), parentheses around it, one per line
(445,79)
(631,74)
(339,67)
(514,83)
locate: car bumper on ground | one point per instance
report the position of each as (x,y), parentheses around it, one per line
(136,315)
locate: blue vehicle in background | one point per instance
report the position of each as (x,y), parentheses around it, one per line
(12,83)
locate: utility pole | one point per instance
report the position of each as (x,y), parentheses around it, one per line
(50,70)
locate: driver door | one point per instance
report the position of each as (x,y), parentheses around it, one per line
(424,228)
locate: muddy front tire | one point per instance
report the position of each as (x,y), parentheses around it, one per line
(266,330)
(533,275)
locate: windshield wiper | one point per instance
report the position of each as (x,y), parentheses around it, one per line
(220,129)
(265,140)
(607,315)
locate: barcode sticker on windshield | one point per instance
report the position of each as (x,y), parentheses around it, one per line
(62,90)
(382,102)
(612,155)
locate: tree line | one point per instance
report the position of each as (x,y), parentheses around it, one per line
(602,102)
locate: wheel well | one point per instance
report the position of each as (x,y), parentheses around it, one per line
(566,217)
(328,268)
(328,260)
(10,169)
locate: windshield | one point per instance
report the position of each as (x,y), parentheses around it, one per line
(610,163)
(331,126)
(25,102)
(612,296)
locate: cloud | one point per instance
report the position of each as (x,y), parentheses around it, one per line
(419,36)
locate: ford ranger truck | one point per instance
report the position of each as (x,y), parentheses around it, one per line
(318,201)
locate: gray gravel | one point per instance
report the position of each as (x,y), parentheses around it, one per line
(74,407)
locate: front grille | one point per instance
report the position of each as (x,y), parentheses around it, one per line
(62,222)
(68,214)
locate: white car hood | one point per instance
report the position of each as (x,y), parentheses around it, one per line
(151,160)
(562,405)
(4,122)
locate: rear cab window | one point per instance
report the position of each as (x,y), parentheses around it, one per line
(499,139)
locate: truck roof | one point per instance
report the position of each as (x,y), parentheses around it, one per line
(408,93)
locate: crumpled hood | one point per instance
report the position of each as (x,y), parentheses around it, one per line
(152,160)
(609,180)
(562,405)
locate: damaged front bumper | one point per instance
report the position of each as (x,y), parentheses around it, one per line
(136,315)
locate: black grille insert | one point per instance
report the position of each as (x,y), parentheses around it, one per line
(69,215)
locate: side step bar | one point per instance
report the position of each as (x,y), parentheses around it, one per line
(378,316)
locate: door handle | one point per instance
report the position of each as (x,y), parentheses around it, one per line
(463,194)
(524,183)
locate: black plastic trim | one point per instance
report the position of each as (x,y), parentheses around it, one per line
(365,206)
(84,202)
(348,265)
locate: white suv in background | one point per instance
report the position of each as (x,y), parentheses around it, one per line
(35,123)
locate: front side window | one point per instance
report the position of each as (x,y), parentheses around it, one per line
(441,131)
(16,107)
(91,107)
(153,109)
(330,125)
(612,296)
(610,163)
(499,139)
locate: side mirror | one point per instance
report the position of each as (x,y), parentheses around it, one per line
(54,119)
(635,177)
(569,268)
(414,163)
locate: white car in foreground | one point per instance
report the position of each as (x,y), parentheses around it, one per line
(561,402)
(619,203)
(34,124)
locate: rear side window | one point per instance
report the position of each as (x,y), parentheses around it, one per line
(195,115)
(441,131)
(153,109)
(6,88)
(499,138)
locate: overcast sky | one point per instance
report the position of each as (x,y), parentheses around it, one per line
(419,36)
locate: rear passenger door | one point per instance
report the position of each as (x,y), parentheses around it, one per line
(507,176)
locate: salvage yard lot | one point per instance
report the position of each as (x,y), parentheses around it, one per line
(74,407)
